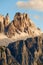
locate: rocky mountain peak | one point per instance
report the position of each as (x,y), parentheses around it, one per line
(20,24)
(21,43)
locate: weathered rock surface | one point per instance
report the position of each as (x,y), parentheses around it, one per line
(27,52)
(20,24)
(21,43)
(11,30)
(6,58)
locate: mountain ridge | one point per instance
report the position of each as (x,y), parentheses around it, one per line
(20,24)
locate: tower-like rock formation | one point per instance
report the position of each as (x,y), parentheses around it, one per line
(7,20)
(4,22)
(1,23)
(18,19)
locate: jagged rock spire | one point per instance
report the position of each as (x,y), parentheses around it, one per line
(1,24)
(7,20)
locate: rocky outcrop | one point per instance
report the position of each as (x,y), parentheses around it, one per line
(27,52)
(11,30)
(22,52)
(6,58)
(22,23)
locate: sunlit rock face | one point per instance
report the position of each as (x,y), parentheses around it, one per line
(4,22)
(1,23)
(21,21)
(23,24)
(20,24)
(11,30)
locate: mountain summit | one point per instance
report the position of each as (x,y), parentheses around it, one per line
(21,26)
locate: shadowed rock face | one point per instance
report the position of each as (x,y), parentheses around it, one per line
(24,51)
(20,51)
(6,58)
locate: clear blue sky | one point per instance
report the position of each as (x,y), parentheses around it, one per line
(11,7)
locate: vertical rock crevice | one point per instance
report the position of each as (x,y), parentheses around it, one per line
(24,55)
